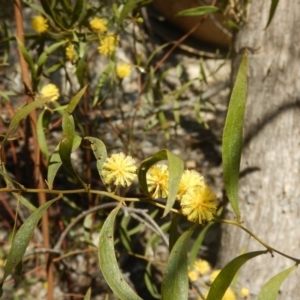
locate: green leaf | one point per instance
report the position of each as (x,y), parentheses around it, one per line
(175,172)
(173,236)
(79,11)
(271,288)
(100,153)
(44,56)
(108,262)
(198,11)
(74,101)
(41,134)
(175,284)
(66,145)
(150,282)
(223,280)
(22,238)
(88,294)
(233,136)
(28,59)
(197,244)
(101,82)
(273,7)
(129,6)
(21,114)
(55,162)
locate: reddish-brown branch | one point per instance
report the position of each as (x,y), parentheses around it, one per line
(36,155)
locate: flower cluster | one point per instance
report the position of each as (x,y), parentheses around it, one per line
(98,25)
(107,45)
(70,52)
(39,24)
(119,170)
(123,70)
(50,92)
(197,200)
(200,268)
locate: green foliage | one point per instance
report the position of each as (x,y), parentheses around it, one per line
(97,120)
(233,136)
(271,288)
(22,238)
(108,262)
(175,280)
(223,280)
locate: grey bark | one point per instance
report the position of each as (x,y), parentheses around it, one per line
(269,190)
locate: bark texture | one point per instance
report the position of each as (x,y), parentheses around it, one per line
(270,169)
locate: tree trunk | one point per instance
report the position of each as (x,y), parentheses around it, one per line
(269,190)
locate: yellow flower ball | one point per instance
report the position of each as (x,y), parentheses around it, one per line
(199,204)
(70,52)
(50,92)
(123,70)
(119,170)
(229,295)
(189,180)
(107,45)
(98,25)
(39,24)
(202,266)
(245,292)
(158,181)
(193,275)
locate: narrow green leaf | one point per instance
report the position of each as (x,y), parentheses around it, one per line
(273,7)
(233,136)
(28,59)
(101,82)
(108,262)
(271,288)
(88,294)
(41,135)
(22,238)
(99,150)
(66,145)
(197,244)
(44,56)
(223,280)
(174,234)
(10,184)
(74,101)
(198,11)
(21,114)
(79,11)
(55,162)
(129,6)
(176,167)
(150,282)
(175,284)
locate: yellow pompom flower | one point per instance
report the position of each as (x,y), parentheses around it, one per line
(245,292)
(70,52)
(158,181)
(107,45)
(50,92)
(123,70)
(201,266)
(193,275)
(39,24)
(119,170)
(199,204)
(98,25)
(189,180)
